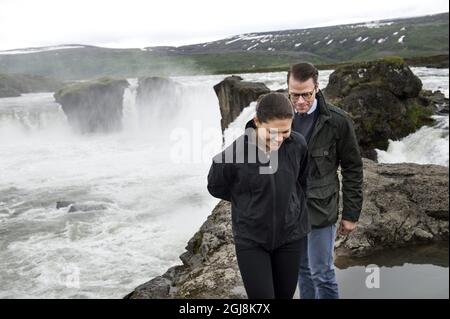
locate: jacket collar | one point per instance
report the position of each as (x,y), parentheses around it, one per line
(250,124)
(322,106)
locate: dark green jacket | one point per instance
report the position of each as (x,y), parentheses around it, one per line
(332,144)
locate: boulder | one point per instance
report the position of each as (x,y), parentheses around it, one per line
(158,97)
(383,98)
(63,204)
(93,106)
(435,99)
(404,205)
(391,74)
(234,94)
(80,207)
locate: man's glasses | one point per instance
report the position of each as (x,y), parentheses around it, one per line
(307,96)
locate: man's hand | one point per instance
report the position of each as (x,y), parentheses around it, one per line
(346,227)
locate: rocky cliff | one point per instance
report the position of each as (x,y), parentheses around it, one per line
(404,205)
(235,94)
(384,100)
(94,106)
(158,97)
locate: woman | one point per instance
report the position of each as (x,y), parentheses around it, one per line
(263,174)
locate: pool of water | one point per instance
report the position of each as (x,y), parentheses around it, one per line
(419,272)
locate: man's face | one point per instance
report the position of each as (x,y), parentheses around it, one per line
(302,94)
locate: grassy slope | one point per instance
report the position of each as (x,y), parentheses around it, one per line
(425,36)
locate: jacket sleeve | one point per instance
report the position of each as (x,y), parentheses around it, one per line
(220,179)
(351,170)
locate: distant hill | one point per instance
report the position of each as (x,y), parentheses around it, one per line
(15,85)
(413,37)
(426,35)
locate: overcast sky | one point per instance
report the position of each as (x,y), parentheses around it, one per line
(140,23)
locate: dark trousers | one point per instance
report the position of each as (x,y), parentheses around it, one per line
(269,274)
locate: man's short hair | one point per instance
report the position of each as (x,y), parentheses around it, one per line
(303,72)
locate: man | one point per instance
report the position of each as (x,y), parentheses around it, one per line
(332,143)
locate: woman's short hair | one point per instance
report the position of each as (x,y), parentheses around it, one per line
(272,106)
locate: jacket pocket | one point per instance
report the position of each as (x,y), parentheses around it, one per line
(322,192)
(323,205)
(293,212)
(325,158)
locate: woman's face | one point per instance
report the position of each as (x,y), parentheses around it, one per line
(273,132)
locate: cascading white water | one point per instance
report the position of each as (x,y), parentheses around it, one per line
(30,114)
(150,203)
(146,187)
(428,145)
(130,113)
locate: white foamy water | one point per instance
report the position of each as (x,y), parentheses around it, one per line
(142,203)
(433,79)
(428,145)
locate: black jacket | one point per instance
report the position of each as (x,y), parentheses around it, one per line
(332,144)
(267,209)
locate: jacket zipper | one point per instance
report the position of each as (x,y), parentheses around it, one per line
(274,205)
(320,123)
(317,128)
